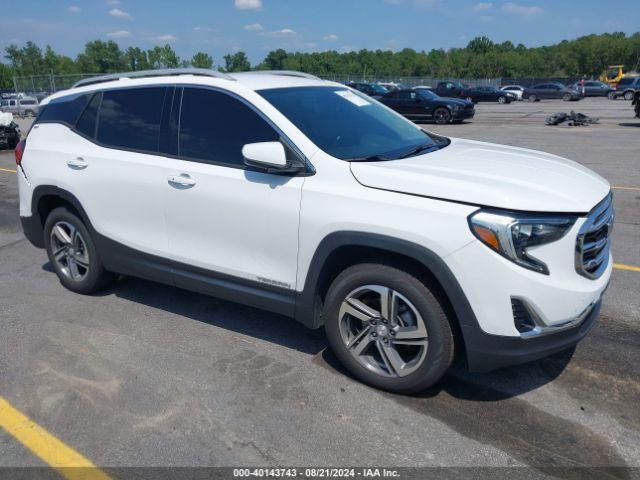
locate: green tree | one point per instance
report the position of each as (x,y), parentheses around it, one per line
(163,57)
(136,59)
(202,60)
(237,62)
(101,57)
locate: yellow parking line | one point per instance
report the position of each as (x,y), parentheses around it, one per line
(69,463)
(622,266)
(8,170)
(617,187)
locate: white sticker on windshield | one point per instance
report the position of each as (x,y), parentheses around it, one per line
(352,97)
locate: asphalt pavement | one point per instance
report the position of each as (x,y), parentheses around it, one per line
(147,375)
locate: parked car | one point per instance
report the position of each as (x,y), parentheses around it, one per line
(306,198)
(421,104)
(489,94)
(453,89)
(21,107)
(592,88)
(9,131)
(626,88)
(516,90)
(391,86)
(374,90)
(547,91)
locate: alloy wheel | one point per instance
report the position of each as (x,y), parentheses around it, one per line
(442,116)
(69,251)
(383,331)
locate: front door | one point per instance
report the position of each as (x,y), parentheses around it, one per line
(226,221)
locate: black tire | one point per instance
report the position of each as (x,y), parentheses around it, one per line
(442,115)
(628,95)
(566,97)
(611,95)
(96,277)
(532,98)
(502,100)
(440,350)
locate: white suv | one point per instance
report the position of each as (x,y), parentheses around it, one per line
(306,198)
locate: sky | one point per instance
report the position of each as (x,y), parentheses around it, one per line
(219,27)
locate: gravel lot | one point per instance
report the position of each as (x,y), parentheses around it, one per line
(147,375)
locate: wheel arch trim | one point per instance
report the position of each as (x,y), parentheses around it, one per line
(307,302)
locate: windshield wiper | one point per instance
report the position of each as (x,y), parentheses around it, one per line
(422,148)
(370,158)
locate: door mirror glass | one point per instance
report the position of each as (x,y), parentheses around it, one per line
(265,155)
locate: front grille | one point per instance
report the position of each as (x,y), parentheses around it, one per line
(594,240)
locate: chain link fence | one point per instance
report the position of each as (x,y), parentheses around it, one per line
(411,81)
(42,85)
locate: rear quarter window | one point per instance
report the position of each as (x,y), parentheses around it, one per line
(65,110)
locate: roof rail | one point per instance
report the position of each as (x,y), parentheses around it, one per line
(286,73)
(164,72)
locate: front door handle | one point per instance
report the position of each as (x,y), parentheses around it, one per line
(182,180)
(78,163)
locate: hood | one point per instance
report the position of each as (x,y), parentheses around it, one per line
(457,101)
(490,175)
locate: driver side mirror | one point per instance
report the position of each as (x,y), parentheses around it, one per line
(268,156)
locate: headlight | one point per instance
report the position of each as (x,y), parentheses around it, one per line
(512,234)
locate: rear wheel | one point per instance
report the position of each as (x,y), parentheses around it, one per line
(73,253)
(533,98)
(628,95)
(387,328)
(442,115)
(566,97)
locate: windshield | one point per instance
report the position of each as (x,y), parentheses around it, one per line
(379,89)
(426,93)
(348,125)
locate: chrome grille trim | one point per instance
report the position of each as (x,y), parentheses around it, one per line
(593,242)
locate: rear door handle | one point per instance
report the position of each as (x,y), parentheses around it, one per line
(182,180)
(77,164)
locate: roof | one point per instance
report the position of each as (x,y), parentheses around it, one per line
(254,80)
(264,80)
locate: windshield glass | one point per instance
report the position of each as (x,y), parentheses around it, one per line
(426,93)
(379,89)
(348,125)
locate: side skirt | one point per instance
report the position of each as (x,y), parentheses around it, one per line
(121,259)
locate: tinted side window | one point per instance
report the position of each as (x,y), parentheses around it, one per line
(130,118)
(214,126)
(87,121)
(65,109)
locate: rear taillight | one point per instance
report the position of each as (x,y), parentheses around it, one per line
(19,151)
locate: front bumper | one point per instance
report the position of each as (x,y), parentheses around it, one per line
(463,114)
(487,352)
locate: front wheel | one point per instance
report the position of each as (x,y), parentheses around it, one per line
(566,97)
(73,253)
(628,95)
(611,95)
(502,100)
(388,328)
(442,115)
(533,98)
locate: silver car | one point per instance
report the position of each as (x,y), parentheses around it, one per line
(20,107)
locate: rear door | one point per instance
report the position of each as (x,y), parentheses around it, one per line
(226,220)
(118,171)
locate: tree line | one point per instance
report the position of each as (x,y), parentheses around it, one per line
(481,58)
